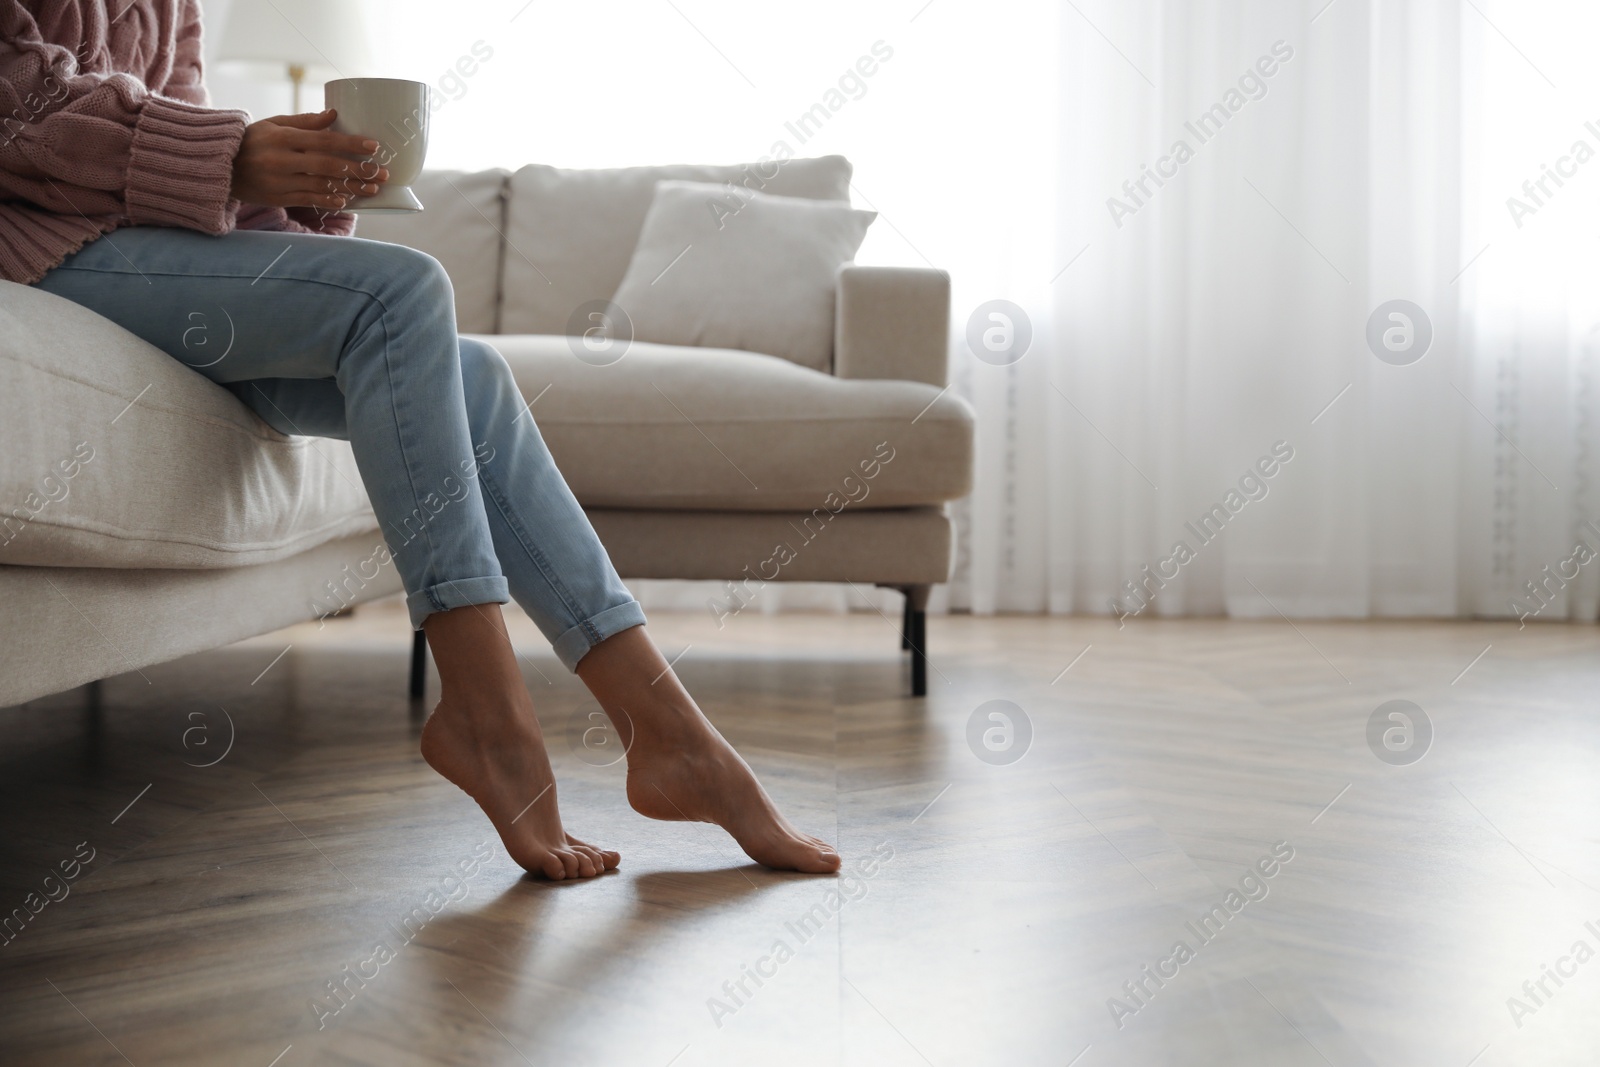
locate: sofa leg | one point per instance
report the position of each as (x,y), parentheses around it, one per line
(914,636)
(919,655)
(419,663)
(94,749)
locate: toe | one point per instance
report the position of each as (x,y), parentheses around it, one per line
(605,859)
(552,867)
(589,863)
(570,862)
(821,860)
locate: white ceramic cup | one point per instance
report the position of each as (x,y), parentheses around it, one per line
(394,112)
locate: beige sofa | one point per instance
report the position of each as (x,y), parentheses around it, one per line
(145,514)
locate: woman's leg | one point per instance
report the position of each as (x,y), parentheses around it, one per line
(309,316)
(376,319)
(679,766)
(306,313)
(484,736)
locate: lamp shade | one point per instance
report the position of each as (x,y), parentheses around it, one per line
(330,35)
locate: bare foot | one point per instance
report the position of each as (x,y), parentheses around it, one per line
(681,769)
(485,738)
(499,760)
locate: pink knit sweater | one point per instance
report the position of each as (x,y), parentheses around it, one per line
(104,123)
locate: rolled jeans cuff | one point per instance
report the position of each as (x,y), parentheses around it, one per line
(456,594)
(571,646)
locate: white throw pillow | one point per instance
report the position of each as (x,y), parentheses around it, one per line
(569,234)
(724,267)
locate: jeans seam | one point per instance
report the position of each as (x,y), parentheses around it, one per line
(405,459)
(492,490)
(433,587)
(237,277)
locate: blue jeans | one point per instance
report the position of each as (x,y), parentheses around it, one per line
(340,337)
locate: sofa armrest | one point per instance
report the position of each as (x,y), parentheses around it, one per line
(892,322)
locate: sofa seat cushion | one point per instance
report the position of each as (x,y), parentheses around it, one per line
(117,455)
(668,427)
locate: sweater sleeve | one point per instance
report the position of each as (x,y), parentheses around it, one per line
(85,143)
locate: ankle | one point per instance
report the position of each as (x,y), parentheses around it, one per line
(484,705)
(666,727)
(478,667)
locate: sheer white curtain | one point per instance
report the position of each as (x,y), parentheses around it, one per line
(1209,315)
(1533,303)
(1339,156)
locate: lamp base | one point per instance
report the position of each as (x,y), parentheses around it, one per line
(297,76)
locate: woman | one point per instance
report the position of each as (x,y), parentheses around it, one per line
(122,190)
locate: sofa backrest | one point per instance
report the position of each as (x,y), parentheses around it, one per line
(525,251)
(570,234)
(460,225)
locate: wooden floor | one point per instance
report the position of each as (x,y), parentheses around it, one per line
(1009,903)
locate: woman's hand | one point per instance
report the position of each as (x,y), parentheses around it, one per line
(296,161)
